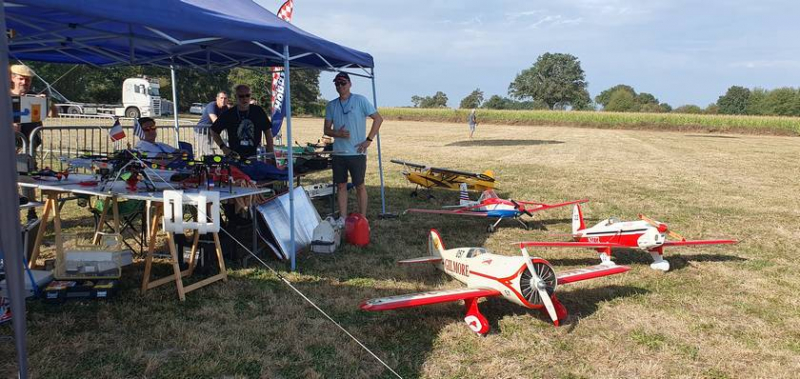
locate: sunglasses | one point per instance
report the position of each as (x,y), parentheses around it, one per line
(245,96)
(340,84)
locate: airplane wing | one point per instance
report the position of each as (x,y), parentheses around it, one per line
(460,212)
(706,242)
(543,206)
(409,164)
(590,245)
(426,298)
(429,259)
(576,275)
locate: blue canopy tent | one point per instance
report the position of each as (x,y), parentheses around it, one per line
(205,35)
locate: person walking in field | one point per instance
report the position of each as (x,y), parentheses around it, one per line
(472,120)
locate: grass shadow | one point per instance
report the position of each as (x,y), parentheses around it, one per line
(580,303)
(709,136)
(503,142)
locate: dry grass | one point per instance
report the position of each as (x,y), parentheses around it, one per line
(721,312)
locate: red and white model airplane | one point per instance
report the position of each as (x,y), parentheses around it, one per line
(491,206)
(644,234)
(529,282)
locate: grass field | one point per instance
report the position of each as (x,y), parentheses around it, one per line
(610,120)
(721,312)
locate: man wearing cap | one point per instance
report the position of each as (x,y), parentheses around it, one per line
(346,121)
(21,78)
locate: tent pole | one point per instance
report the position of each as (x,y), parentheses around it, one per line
(378,138)
(175,104)
(10,234)
(287,97)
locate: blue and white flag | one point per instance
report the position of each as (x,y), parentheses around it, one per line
(137,129)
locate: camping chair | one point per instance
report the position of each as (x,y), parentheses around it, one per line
(129,211)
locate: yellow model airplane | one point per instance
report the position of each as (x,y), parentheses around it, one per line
(428,177)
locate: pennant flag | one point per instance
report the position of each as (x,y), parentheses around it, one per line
(137,129)
(116,133)
(279,77)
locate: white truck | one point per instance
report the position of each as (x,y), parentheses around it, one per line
(140,98)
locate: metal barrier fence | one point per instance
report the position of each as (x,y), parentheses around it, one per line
(70,136)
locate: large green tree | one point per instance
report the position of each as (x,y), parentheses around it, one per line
(555,79)
(734,101)
(473,100)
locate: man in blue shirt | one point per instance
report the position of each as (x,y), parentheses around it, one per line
(211,112)
(346,121)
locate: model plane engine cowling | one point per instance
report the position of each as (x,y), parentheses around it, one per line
(527,286)
(652,238)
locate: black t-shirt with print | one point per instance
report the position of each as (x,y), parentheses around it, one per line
(245,128)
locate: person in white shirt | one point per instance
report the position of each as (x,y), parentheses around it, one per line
(148,144)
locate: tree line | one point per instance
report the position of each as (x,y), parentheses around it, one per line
(87,84)
(556,81)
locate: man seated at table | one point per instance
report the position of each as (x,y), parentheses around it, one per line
(148,144)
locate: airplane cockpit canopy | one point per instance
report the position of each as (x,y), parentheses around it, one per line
(488,194)
(476,251)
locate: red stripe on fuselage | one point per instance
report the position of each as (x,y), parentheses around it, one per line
(507,283)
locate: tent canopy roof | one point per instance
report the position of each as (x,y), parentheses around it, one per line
(203,34)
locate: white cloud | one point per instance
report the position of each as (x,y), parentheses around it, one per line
(759,64)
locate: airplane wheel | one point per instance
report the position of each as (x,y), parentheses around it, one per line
(527,227)
(413,194)
(490,228)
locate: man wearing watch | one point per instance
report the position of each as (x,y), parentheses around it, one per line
(346,121)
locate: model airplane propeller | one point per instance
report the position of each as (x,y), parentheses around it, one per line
(491,206)
(645,235)
(428,177)
(523,280)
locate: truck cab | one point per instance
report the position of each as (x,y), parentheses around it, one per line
(140,97)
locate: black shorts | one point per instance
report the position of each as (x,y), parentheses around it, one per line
(355,164)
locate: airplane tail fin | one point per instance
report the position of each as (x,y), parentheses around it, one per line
(463,197)
(577,219)
(435,244)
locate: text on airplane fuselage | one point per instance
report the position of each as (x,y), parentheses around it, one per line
(456,267)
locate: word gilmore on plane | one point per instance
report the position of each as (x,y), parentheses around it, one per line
(529,282)
(645,235)
(491,206)
(428,177)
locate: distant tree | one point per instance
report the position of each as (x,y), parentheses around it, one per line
(604,97)
(712,108)
(583,103)
(783,102)
(494,102)
(499,102)
(651,108)
(734,101)
(473,100)
(646,98)
(665,107)
(757,102)
(622,100)
(555,79)
(438,100)
(688,108)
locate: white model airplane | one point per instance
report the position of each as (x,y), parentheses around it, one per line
(529,282)
(645,235)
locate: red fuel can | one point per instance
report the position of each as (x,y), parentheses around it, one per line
(356,229)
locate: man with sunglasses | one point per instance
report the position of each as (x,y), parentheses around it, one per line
(148,144)
(346,121)
(245,124)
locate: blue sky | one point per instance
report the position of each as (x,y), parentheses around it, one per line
(683,52)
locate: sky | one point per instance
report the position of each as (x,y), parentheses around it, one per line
(683,52)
